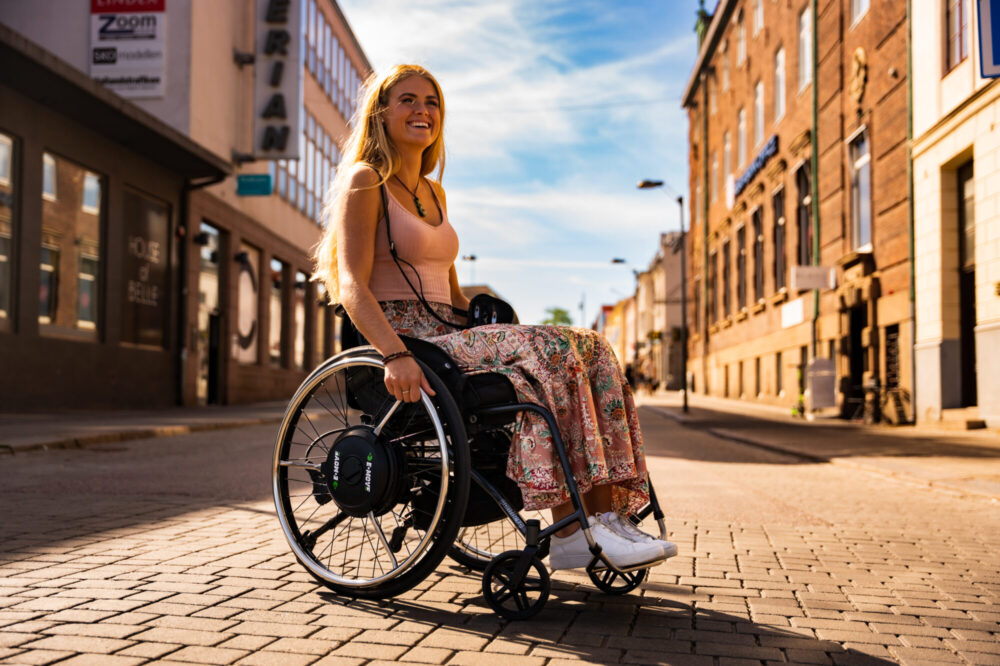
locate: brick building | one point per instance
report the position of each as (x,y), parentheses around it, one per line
(798,158)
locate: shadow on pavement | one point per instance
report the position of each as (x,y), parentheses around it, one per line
(582,624)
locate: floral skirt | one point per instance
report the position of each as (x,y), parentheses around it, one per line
(571,371)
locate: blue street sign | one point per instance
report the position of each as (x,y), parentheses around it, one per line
(254,184)
(989,38)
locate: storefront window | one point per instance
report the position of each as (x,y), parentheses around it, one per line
(301,285)
(145,283)
(69,291)
(6,226)
(277,332)
(248,260)
(321,313)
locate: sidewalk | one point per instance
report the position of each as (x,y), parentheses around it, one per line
(963,462)
(74,428)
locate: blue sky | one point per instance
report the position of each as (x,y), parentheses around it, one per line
(555,110)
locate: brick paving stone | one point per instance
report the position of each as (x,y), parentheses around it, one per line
(276,629)
(427,655)
(47,604)
(801,656)
(922,655)
(132,617)
(102,660)
(247,642)
(640,657)
(196,623)
(910,630)
(208,655)
(454,640)
(94,630)
(845,636)
(303,646)
(148,650)
(494,659)
(268,658)
(370,651)
(742,651)
(37,657)
(79,644)
(13,639)
(392,637)
(181,636)
(336,660)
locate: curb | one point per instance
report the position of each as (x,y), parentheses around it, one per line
(78,442)
(723,433)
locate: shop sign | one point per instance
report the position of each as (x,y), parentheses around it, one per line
(767,152)
(254,184)
(128,47)
(145,274)
(989,38)
(278,80)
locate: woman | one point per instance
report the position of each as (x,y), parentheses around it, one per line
(395,142)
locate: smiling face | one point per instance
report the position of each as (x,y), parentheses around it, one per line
(413,114)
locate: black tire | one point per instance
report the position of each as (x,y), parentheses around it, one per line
(610,581)
(432,530)
(510,601)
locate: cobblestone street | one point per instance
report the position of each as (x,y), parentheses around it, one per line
(168,550)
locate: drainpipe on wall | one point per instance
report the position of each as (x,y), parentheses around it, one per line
(182,300)
(912,215)
(814,164)
(704,226)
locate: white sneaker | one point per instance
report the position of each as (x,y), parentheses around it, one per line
(572,552)
(625,528)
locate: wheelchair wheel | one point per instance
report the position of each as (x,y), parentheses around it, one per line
(612,582)
(369,491)
(511,599)
(476,546)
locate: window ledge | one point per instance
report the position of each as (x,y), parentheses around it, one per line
(780,297)
(758,307)
(741,315)
(714,328)
(726,323)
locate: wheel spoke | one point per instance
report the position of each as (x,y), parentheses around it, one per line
(302,465)
(388,415)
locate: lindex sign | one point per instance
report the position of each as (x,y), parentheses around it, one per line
(278,80)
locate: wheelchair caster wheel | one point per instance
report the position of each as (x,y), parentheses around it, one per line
(612,582)
(511,600)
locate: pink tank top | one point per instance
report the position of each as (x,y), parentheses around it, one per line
(432,251)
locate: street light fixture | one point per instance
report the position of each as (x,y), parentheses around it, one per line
(471,258)
(652,184)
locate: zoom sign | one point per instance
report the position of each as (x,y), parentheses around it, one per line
(127,46)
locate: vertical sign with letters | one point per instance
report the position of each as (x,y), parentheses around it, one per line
(278,82)
(988,18)
(127,46)
(145,279)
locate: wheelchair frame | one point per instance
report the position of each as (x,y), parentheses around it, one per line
(508,584)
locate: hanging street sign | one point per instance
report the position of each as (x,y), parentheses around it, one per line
(988,18)
(254,185)
(813,277)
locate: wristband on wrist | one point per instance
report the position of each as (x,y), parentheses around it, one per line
(406,353)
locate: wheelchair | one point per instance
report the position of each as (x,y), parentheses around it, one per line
(372,493)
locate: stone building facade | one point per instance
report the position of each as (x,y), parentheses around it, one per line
(956,146)
(798,160)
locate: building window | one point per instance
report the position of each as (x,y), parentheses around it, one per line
(957,24)
(71,249)
(301,285)
(699,207)
(696,302)
(779,85)
(805,48)
(860,7)
(715,177)
(321,314)
(861,194)
(713,285)
(780,270)
(247,327)
(724,56)
(7,186)
(779,384)
(727,151)
(48,177)
(713,102)
(48,288)
(758,114)
(741,39)
(741,268)
(741,138)
(277,312)
(803,218)
(91,193)
(758,16)
(756,376)
(758,253)
(726,278)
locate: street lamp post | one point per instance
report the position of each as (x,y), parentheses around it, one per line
(471,258)
(651,184)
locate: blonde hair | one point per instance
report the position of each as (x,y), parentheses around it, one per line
(369,144)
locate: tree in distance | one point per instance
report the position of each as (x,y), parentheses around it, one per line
(557,317)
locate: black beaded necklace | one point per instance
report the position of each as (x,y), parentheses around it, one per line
(416,200)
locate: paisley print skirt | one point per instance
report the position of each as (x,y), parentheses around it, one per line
(571,371)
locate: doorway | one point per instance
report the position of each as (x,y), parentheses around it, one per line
(967,282)
(209,315)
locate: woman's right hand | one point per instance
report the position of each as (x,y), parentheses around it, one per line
(404,379)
